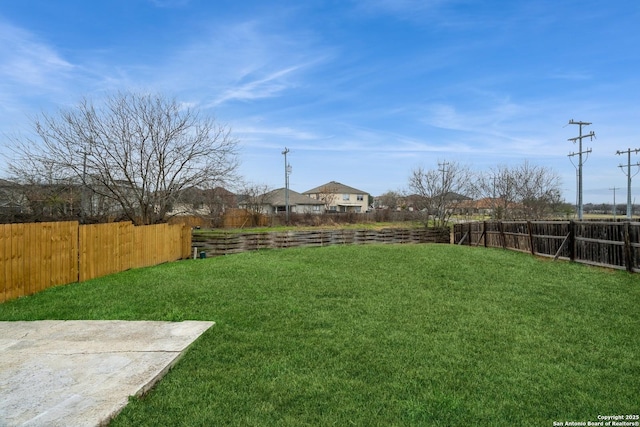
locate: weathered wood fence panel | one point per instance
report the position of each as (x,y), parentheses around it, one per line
(223,243)
(34,257)
(607,244)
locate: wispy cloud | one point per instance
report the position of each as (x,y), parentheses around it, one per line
(27,61)
(262,87)
(239,61)
(488,119)
(280,132)
(358,89)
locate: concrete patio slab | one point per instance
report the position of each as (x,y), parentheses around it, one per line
(81,373)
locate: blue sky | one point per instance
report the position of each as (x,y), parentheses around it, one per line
(360,91)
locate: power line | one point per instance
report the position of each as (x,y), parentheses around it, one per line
(614,201)
(628,173)
(444,171)
(287,170)
(580,161)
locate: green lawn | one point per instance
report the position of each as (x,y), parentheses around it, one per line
(377,335)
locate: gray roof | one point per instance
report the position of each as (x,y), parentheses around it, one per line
(277,198)
(335,187)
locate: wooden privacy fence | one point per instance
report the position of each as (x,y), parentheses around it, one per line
(223,243)
(605,244)
(36,256)
(241,218)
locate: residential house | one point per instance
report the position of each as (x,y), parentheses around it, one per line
(337,197)
(21,202)
(495,207)
(13,202)
(410,202)
(211,202)
(276,202)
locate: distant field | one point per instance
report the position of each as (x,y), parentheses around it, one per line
(378,335)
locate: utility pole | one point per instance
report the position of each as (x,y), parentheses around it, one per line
(85,198)
(443,196)
(443,165)
(493,198)
(628,165)
(590,135)
(614,201)
(287,170)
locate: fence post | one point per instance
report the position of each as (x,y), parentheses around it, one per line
(470,233)
(628,254)
(529,226)
(502,237)
(572,240)
(484,230)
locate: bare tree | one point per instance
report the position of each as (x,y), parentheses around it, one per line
(499,188)
(44,195)
(138,151)
(538,189)
(254,198)
(438,192)
(218,200)
(328,194)
(389,200)
(525,191)
(206,203)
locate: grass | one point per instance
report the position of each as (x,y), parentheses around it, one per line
(388,335)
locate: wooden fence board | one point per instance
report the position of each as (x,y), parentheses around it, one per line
(46,253)
(143,255)
(138,255)
(611,244)
(32,269)
(34,257)
(226,243)
(64,253)
(17,261)
(5,260)
(55,267)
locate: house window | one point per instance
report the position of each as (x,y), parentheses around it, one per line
(360,197)
(316,208)
(345,197)
(358,209)
(333,208)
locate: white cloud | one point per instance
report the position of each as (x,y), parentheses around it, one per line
(238,62)
(265,86)
(490,119)
(249,132)
(27,61)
